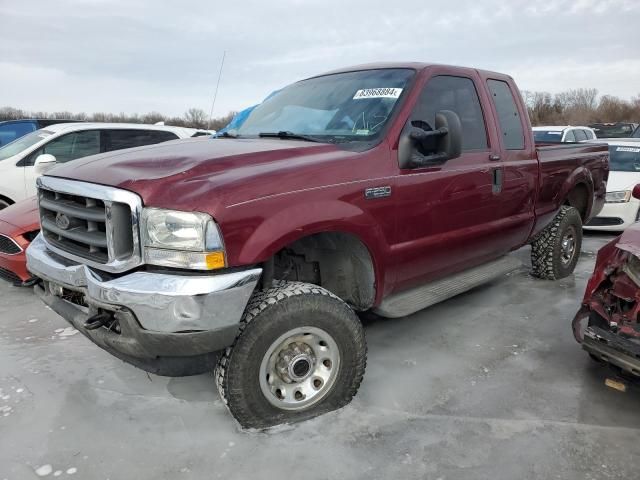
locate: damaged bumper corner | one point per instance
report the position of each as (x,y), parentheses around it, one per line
(613,349)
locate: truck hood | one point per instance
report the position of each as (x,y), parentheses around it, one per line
(181,173)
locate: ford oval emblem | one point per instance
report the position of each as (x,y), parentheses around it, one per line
(62,221)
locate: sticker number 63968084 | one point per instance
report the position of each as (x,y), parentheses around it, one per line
(377,93)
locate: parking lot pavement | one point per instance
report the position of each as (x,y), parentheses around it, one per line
(488,385)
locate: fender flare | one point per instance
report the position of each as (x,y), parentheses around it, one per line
(580,176)
(295,223)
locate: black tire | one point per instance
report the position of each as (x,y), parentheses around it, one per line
(271,314)
(549,260)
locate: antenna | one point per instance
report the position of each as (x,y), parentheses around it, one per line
(215,94)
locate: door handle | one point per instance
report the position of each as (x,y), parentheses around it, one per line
(496,186)
(494,157)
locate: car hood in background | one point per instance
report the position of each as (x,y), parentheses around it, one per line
(23,215)
(619,181)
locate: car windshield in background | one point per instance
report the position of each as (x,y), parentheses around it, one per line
(23,143)
(334,108)
(618,130)
(547,136)
(624,159)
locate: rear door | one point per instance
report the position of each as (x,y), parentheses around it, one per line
(517,158)
(448,216)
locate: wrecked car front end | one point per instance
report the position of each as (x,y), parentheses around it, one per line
(608,323)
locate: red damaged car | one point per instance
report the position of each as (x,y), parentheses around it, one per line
(19,224)
(608,322)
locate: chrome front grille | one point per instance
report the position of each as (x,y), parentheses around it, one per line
(91,223)
(9,246)
(75,224)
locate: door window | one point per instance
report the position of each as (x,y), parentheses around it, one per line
(508,115)
(569,136)
(459,95)
(70,146)
(119,139)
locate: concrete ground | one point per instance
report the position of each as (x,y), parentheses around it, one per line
(489,385)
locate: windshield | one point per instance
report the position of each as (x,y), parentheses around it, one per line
(23,143)
(547,136)
(341,107)
(624,159)
(617,130)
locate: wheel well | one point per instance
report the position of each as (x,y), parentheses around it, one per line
(578,198)
(337,261)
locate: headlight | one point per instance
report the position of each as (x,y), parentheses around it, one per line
(181,239)
(618,197)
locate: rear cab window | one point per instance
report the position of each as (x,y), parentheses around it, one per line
(510,123)
(581,136)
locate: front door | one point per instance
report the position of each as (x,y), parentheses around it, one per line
(448,216)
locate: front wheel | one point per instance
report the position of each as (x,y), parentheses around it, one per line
(555,250)
(301,353)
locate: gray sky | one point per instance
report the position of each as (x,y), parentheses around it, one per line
(160,55)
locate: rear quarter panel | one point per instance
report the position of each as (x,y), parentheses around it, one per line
(562,167)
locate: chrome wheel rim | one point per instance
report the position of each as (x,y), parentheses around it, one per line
(568,246)
(299,368)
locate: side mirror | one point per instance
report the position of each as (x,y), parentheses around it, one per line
(635,193)
(423,148)
(44,162)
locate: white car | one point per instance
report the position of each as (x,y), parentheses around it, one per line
(561,134)
(620,209)
(28,157)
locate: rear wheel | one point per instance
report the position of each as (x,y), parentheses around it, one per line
(555,250)
(301,352)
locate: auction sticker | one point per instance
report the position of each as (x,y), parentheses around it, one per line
(377,93)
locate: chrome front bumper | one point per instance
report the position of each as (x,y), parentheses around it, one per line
(159,314)
(161,302)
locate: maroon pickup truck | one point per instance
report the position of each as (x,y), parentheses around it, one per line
(385,187)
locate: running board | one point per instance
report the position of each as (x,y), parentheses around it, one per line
(415,299)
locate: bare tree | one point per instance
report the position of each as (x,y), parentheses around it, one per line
(196,118)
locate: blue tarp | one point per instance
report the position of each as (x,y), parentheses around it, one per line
(240,117)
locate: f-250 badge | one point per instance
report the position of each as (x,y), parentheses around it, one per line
(377,192)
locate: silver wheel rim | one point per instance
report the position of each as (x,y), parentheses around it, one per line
(568,246)
(299,368)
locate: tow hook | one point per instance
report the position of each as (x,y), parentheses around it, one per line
(97,321)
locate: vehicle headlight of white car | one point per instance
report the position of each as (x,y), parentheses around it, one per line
(622,196)
(181,239)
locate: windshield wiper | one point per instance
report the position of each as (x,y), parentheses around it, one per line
(290,136)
